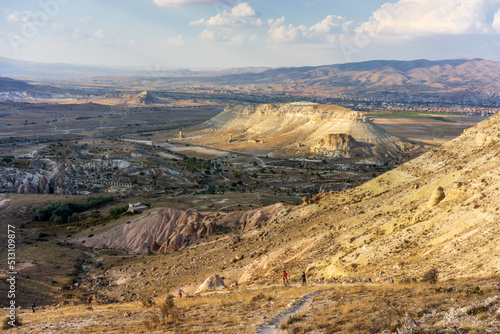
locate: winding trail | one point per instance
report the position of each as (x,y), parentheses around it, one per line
(272,326)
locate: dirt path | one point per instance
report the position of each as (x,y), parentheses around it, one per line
(272,326)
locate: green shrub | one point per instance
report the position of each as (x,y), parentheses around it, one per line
(64,212)
(115,212)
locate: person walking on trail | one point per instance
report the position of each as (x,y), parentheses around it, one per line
(285,277)
(303,278)
(33,307)
(89,303)
(180,292)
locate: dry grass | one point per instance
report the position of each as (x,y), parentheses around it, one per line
(375,308)
(353,308)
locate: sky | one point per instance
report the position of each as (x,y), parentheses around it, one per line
(216,34)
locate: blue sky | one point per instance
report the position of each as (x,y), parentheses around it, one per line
(231,33)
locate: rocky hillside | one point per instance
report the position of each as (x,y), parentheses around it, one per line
(299,129)
(439,211)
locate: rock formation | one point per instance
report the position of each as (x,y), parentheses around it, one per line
(167,230)
(36,163)
(437,196)
(146,98)
(298,129)
(337,144)
(55,181)
(213,282)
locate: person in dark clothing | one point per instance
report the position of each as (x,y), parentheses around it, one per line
(33,307)
(303,278)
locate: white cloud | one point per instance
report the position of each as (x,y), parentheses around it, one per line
(279,31)
(238,39)
(77,34)
(324,31)
(428,17)
(327,25)
(243,10)
(207,35)
(496,22)
(95,38)
(240,15)
(98,35)
(241,39)
(176,3)
(25,17)
(175,41)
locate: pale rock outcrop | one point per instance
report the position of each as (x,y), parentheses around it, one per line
(335,142)
(213,282)
(436,197)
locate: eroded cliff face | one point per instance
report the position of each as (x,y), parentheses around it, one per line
(55,180)
(338,144)
(167,230)
(301,129)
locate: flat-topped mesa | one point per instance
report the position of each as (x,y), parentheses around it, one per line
(314,111)
(299,129)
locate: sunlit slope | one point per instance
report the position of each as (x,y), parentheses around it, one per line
(292,129)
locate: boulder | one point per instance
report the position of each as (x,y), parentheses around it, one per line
(213,282)
(436,197)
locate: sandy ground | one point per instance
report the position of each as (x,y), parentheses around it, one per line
(427,130)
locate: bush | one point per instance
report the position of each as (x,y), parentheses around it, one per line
(64,212)
(258,297)
(292,319)
(431,276)
(115,212)
(168,309)
(152,323)
(148,303)
(73,218)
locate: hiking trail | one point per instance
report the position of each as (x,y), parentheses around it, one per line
(272,326)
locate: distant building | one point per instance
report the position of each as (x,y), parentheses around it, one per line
(137,207)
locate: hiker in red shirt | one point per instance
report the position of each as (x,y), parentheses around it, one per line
(285,277)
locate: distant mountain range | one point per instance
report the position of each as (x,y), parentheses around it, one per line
(442,74)
(426,75)
(36,70)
